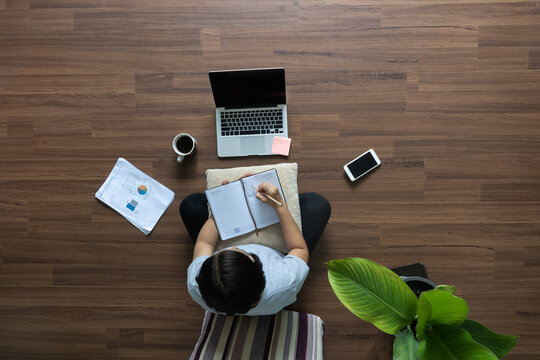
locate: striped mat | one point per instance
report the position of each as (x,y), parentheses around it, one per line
(285,335)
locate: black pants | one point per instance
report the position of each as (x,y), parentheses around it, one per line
(314,211)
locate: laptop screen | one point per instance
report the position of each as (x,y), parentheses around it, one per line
(248,88)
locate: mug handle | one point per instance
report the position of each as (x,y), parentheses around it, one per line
(180,158)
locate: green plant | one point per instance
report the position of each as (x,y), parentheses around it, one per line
(377,295)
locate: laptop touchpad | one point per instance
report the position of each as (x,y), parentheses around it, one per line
(253,145)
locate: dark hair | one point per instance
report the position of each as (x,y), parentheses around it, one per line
(230,282)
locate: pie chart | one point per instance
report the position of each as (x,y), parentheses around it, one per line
(142,189)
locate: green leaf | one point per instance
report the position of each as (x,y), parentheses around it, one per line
(439,307)
(448,288)
(373,293)
(498,343)
(448,342)
(405,345)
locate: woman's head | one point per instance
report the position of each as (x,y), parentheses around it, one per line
(231,281)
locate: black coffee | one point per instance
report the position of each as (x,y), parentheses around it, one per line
(184,144)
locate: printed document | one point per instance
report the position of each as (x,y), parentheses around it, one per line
(134,195)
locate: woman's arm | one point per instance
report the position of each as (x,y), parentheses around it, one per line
(209,235)
(207,239)
(291,233)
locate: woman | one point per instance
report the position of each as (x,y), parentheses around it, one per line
(251,279)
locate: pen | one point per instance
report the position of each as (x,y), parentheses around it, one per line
(267,196)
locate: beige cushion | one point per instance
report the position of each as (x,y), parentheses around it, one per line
(270,236)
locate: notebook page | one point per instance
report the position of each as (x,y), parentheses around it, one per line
(230,211)
(264,214)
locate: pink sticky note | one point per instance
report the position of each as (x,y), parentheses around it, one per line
(281,145)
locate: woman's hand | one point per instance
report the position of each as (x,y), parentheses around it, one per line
(291,233)
(270,190)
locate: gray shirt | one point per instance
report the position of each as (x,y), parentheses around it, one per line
(285,275)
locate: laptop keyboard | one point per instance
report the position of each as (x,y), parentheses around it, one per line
(251,122)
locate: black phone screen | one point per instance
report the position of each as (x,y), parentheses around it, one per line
(362,164)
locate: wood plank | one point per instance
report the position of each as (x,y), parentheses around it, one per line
(534,59)
(464,14)
(446,93)
(98,297)
(511,192)
(503,58)
(479,80)
(3,126)
(481,167)
(67,84)
(503,36)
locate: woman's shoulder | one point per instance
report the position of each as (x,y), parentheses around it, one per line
(262,249)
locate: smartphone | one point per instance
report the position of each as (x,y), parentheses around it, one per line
(362,165)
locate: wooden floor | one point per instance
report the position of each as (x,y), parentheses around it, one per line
(447,93)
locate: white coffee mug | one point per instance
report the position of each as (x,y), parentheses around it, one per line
(184,144)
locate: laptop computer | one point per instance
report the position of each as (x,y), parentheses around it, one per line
(250,110)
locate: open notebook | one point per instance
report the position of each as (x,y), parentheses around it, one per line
(236,209)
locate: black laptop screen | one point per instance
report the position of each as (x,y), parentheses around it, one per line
(248,88)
